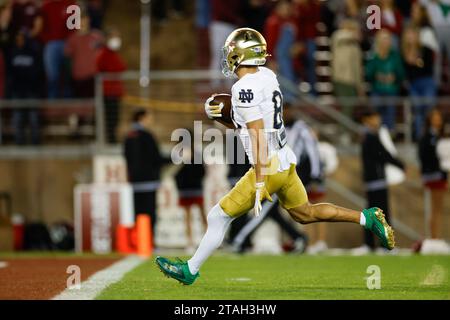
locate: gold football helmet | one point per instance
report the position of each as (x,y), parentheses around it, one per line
(245,47)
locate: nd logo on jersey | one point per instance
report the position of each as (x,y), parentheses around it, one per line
(246,95)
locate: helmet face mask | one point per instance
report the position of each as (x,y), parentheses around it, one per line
(226,65)
(243,46)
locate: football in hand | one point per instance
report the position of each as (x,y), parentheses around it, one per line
(226,110)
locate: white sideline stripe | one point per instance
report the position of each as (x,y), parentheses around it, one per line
(3,264)
(100,280)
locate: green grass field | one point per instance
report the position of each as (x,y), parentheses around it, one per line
(293,277)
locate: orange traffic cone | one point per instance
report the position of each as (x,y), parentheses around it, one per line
(124,240)
(144,236)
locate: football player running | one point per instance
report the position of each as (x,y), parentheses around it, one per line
(257,112)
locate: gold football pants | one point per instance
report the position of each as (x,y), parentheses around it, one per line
(286,184)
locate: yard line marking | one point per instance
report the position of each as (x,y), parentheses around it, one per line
(240,279)
(100,280)
(3,264)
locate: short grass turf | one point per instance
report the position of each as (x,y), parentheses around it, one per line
(293,277)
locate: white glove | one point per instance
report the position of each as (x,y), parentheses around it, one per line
(261,194)
(213,111)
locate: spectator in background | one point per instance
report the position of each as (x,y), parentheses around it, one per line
(95,11)
(25,16)
(404,8)
(439,14)
(20,16)
(54,35)
(202,21)
(420,20)
(357,10)
(374,158)
(287,47)
(385,73)
(329,15)
(392,20)
(256,13)
(110,61)
(82,48)
(419,67)
(307,17)
(162,9)
(25,71)
(226,16)
(280,15)
(189,180)
(202,13)
(144,163)
(433,177)
(347,66)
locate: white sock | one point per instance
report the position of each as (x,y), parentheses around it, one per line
(218,222)
(362,219)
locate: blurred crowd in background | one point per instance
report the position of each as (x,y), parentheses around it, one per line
(408,56)
(42,58)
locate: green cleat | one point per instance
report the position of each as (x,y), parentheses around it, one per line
(177,270)
(376,222)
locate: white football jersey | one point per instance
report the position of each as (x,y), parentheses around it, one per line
(258,96)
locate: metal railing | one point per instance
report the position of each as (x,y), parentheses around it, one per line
(204,81)
(328,108)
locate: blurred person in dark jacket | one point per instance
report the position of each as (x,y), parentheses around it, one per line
(109,60)
(421,20)
(22,16)
(25,71)
(189,180)
(96,12)
(256,12)
(374,158)
(25,16)
(144,162)
(434,178)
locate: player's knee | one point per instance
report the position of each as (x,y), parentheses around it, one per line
(302,214)
(212,215)
(216,215)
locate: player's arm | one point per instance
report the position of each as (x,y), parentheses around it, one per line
(259,147)
(249,109)
(260,160)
